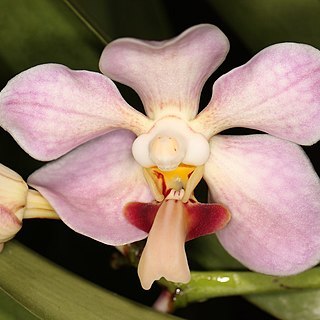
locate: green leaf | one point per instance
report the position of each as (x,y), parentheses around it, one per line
(122,18)
(208,254)
(88,21)
(290,306)
(261,23)
(51,292)
(42,31)
(11,310)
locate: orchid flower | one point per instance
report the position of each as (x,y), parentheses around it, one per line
(122,176)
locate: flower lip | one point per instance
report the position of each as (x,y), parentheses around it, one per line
(169,143)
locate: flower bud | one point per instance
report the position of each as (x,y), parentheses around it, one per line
(13,195)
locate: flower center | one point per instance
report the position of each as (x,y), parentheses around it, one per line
(184,177)
(166,152)
(168,144)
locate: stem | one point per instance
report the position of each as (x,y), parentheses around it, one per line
(38,207)
(206,285)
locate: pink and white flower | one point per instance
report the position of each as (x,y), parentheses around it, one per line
(123,174)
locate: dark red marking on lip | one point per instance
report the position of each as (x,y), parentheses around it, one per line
(160,177)
(141,215)
(189,175)
(202,218)
(205,218)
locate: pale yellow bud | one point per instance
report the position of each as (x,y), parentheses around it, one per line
(13,197)
(18,202)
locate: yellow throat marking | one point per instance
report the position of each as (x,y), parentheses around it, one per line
(184,177)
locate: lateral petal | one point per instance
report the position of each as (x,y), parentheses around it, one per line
(272,192)
(90,186)
(277,91)
(50,109)
(167,75)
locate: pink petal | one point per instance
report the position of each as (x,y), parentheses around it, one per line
(90,186)
(168,74)
(273,194)
(50,109)
(277,91)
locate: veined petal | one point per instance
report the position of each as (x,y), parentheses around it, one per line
(90,186)
(277,91)
(273,194)
(167,75)
(50,109)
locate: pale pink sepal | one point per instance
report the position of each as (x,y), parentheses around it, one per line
(272,192)
(50,109)
(89,187)
(277,91)
(167,75)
